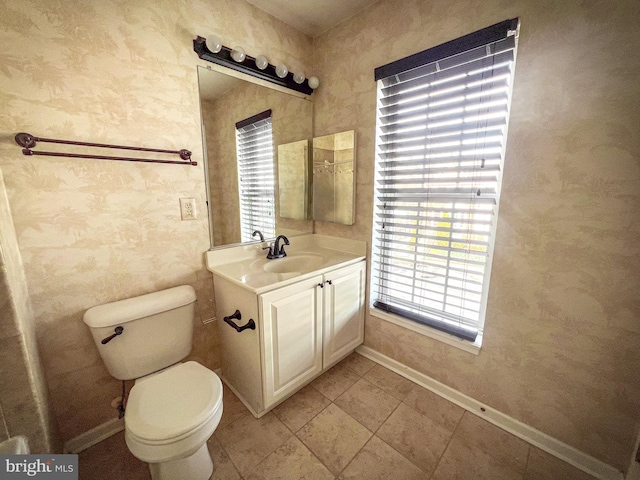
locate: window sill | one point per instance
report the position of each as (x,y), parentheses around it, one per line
(469,347)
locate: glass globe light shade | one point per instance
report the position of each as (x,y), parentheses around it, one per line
(214,44)
(238,54)
(298,77)
(262,62)
(314,82)
(282,70)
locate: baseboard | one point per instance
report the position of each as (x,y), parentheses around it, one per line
(545,442)
(93,436)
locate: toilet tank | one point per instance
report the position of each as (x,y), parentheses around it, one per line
(157,331)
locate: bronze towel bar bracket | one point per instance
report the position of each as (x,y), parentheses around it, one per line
(28,141)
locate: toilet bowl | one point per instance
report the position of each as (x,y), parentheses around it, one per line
(169,418)
(174,407)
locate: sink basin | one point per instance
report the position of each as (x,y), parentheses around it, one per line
(261,279)
(248,267)
(294,263)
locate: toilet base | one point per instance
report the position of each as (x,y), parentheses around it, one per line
(197,466)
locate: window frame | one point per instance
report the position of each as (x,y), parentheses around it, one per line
(430,58)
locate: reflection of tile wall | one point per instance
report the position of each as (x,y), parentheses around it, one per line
(24,409)
(561,347)
(293,179)
(91,231)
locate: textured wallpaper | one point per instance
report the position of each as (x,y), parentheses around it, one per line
(90,232)
(561,348)
(562,335)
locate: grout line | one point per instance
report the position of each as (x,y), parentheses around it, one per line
(448,443)
(358,452)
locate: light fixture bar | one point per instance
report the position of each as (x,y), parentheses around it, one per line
(248,66)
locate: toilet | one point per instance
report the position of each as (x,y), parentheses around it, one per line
(174,407)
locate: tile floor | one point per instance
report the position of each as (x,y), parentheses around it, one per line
(359,420)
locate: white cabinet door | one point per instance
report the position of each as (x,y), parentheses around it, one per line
(344,291)
(292,335)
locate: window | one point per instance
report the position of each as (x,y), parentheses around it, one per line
(441,132)
(254,144)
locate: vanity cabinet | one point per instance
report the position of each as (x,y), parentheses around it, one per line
(308,327)
(302,329)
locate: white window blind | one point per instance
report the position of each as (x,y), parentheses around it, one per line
(256,180)
(440,148)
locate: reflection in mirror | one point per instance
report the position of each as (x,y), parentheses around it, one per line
(226,100)
(293,179)
(334,178)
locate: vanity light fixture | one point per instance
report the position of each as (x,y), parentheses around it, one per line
(262,62)
(282,71)
(314,82)
(214,44)
(238,54)
(259,67)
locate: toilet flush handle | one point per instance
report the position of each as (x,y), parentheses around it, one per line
(118,331)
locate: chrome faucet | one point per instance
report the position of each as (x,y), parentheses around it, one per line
(276,250)
(258,232)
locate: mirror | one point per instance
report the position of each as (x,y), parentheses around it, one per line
(293,180)
(334,178)
(228,98)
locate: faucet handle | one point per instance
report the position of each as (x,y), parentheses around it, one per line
(271,248)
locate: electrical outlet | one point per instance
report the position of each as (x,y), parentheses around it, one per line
(188,209)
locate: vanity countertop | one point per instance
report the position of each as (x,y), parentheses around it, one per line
(307,256)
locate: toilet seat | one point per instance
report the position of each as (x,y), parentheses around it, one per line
(173,404)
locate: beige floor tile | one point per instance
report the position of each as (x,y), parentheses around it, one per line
(358,364)
(301,407)
(462,461)
(290,461)
(378,461)
(390,382)
(232,407)
(501,445)
(335,382)
(223,468)
(248,441)
(432,405)
(543,466)
(111,460)
(415,436)
(334,437)
(368,404)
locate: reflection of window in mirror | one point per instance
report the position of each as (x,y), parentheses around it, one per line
(256,181)
(334,178)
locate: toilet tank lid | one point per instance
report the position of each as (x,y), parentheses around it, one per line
(116,313)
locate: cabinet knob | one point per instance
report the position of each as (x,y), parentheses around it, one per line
(329,282)
(321,285)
